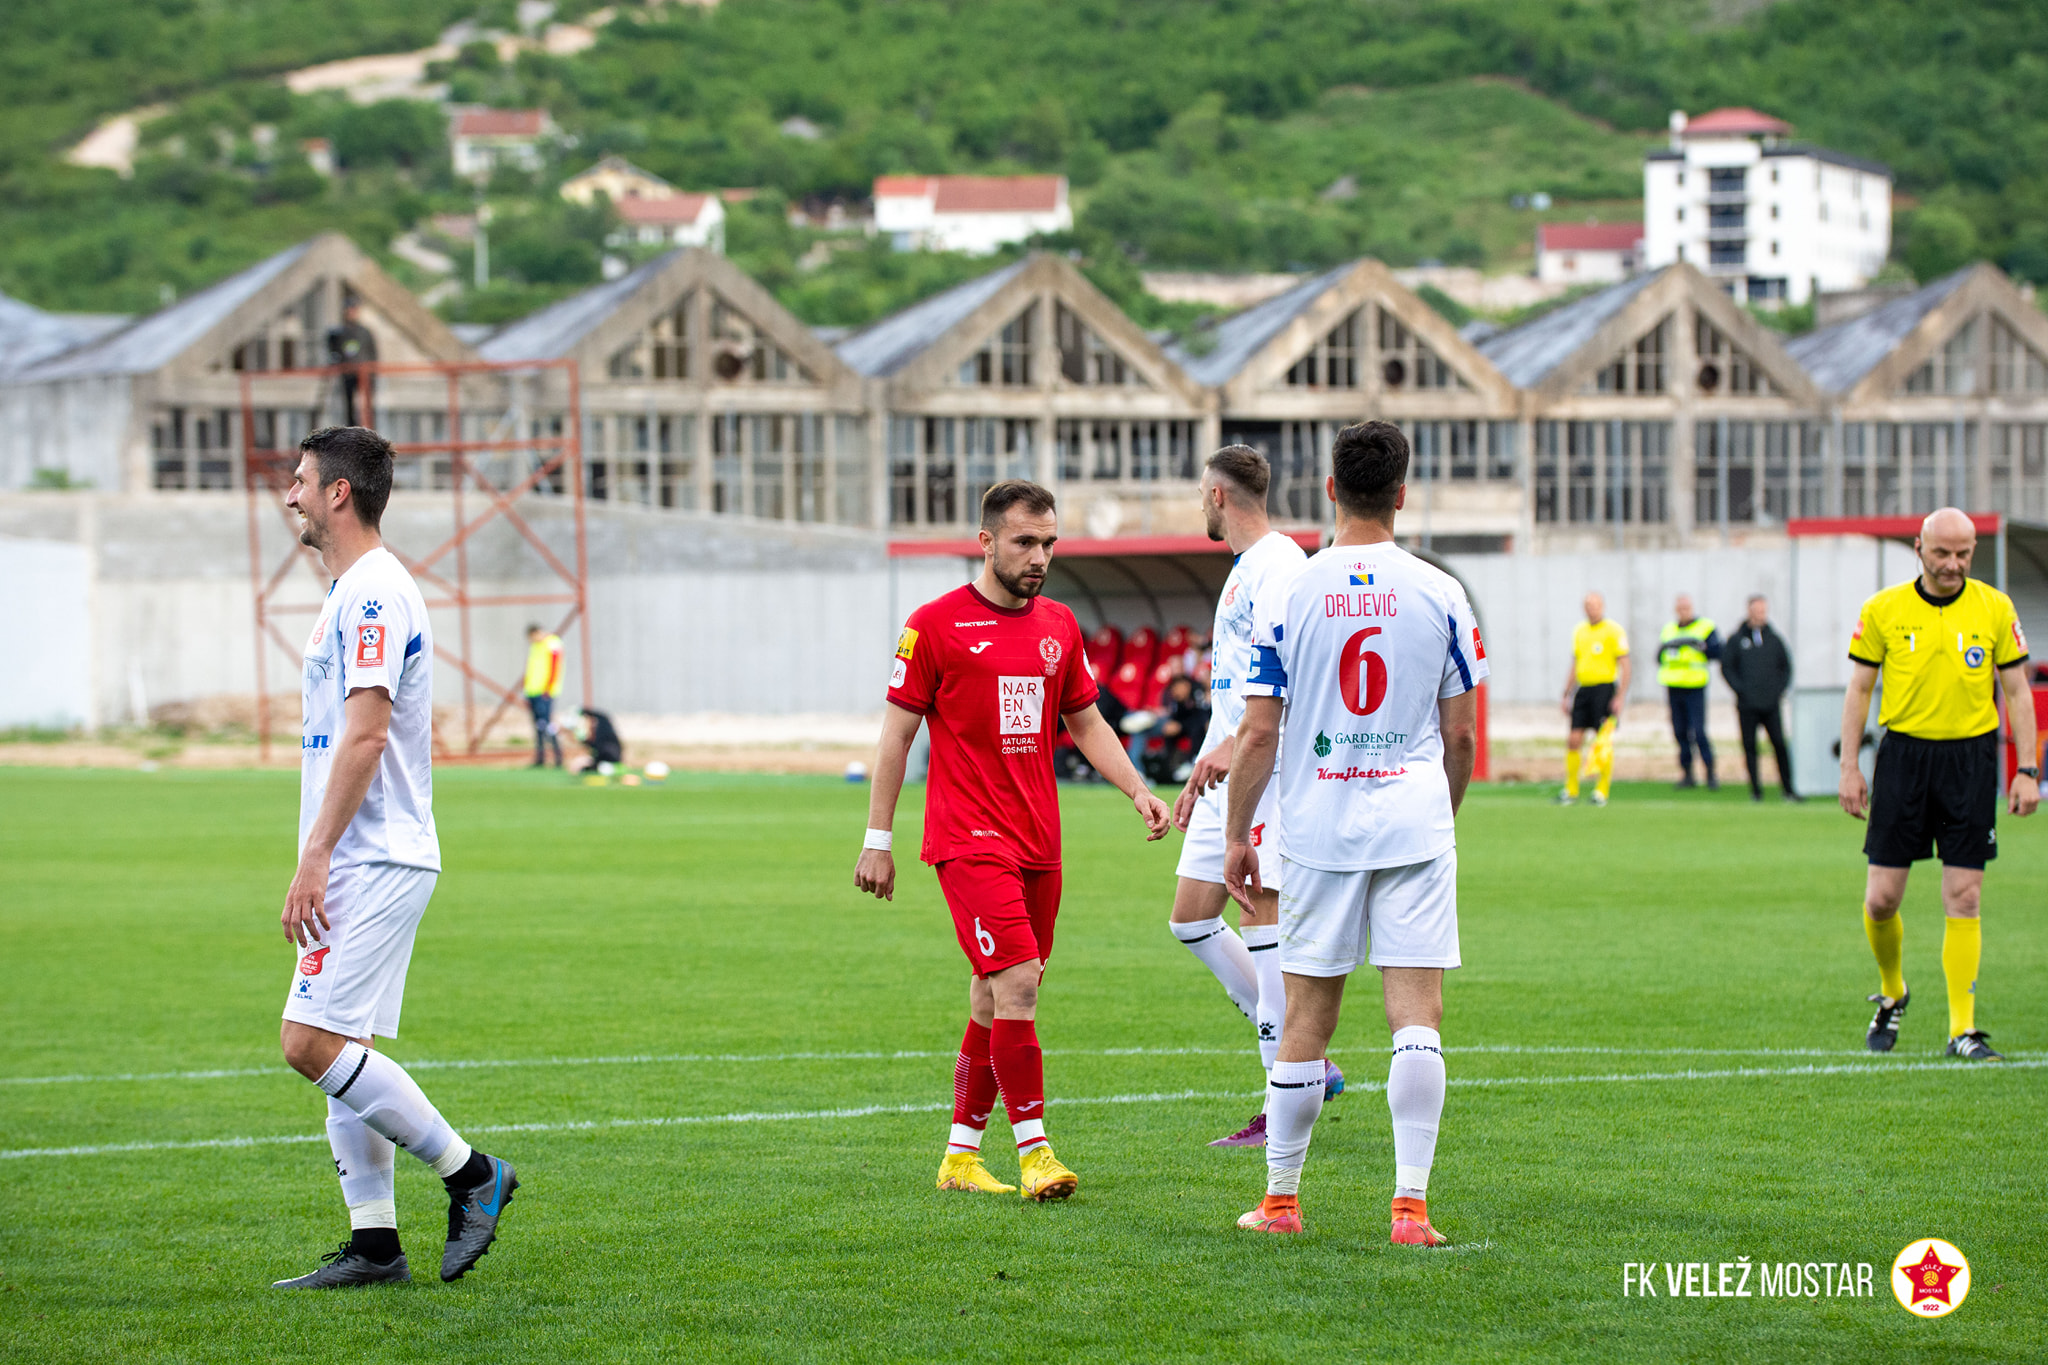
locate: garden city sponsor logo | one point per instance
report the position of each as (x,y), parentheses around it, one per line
(1931,1278)
(1743,1278)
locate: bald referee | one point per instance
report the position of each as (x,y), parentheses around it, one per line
(1947,644)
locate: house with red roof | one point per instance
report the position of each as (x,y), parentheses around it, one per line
(1588,252)
(678,219)
(481,140)
(1771,219)
(977,214)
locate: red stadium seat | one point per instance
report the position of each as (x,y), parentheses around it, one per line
(1142,649)
(1128,684)
(1106,648)
(1155,685)
(1177,640)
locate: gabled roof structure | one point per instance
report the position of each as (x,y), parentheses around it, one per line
(1839,357)
(216,315)
(592,326)
(918,348)
(1242,335)
(28,334)
(1527,354)
(880,349)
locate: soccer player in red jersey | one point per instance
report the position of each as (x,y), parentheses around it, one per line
(992,668)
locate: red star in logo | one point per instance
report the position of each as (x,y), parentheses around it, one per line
(1930,1276)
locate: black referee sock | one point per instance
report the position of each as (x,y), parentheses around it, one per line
(376,1244)
(474,1172)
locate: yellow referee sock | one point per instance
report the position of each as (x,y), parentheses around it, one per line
(1888,945)
(1603,754)
(1573,760)
(1962,947)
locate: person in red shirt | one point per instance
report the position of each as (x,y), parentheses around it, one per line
(992,668)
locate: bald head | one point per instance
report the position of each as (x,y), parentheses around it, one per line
(1683,608)
(1596,607)
(1947,540)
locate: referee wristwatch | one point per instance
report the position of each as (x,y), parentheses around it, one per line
(2034,773)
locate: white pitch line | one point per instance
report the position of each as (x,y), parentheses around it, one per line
(735,1058)
(1163,1097)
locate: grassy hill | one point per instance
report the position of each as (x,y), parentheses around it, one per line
(1196,135)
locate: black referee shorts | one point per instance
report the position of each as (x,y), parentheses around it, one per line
(1934,793)
(1589,705)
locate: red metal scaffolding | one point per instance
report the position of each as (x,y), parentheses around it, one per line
(268,470)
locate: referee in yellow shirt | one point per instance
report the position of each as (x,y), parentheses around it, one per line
(1947,644)
(1595,689)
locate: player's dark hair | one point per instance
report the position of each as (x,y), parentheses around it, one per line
(1370,462)
(1034,499)
(1246,468)
(361,456)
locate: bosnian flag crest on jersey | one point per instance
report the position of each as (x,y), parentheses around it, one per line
(1361,580)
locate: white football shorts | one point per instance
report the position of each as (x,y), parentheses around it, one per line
(1201,852)
(353,982)
(1408,915)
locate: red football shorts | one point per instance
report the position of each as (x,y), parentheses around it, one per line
(1002,914)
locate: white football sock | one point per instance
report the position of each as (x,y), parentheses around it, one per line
(390,1102)
(1223,953)
(1262,946)
(1415,1094)
(964,1139)
(367,1164)
(1294,1096)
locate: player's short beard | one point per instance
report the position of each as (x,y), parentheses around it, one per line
(313,535)
(1212,520)
(1017,587)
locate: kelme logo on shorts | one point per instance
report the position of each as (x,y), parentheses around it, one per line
(1322,745)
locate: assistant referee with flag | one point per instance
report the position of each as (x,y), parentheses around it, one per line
(1947,645)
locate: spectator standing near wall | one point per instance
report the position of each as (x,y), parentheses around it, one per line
(543,685)
(1758,666)
(1683,653)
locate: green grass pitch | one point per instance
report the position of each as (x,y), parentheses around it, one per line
(697,952)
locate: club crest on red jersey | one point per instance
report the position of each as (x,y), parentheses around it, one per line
(309,965)
(1049,650)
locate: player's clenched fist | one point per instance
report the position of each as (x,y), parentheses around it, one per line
(875,873)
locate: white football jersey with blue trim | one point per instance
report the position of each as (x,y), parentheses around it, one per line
(373,632)
(1258,572)
(1362,643)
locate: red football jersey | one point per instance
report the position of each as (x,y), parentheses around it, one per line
(991,683)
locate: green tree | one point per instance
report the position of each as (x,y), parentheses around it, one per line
(1938,240)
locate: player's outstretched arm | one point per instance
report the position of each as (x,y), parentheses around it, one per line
(2024,795)
(1210,771)
(1458,717)
(1251,768)
(365,730)
(1854,792)
(1099,744)
(875,873)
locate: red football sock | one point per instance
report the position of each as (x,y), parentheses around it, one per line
(1020,1070)
(974,1087)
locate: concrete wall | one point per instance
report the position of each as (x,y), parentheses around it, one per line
(689,613)
(1528,604)
(81,426)
(47,682)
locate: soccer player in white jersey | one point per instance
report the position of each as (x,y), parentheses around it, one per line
(1371,656)
(368,860)
(1248,963)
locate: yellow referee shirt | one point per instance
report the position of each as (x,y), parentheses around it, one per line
(1939,658)
(1599,651)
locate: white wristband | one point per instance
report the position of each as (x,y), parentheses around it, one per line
(879,839)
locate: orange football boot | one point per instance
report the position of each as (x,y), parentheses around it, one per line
(1411,1225)
(1275,1213)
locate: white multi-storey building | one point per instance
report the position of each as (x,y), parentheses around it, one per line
(1771,219)
(977,214)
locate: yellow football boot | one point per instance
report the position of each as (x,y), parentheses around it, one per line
(964,1171)
(1043,1176)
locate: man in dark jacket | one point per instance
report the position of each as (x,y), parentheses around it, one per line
(349,345)
(1758,667)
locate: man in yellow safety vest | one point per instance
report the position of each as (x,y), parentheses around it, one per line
(1683,652)
(543,685)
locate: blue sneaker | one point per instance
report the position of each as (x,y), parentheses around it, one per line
(1333,1080)
(473,1219)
